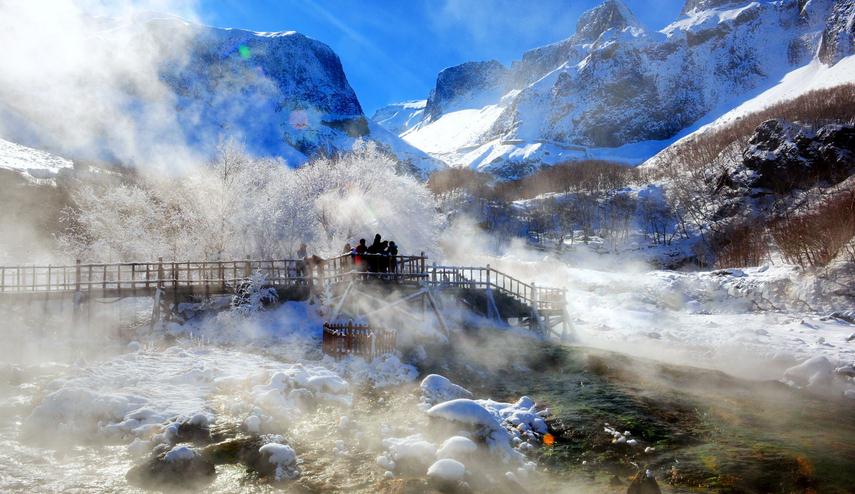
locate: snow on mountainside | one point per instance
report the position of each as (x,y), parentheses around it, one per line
(30,162)
(616,91)
(812,76)
(397,118)
(282,94)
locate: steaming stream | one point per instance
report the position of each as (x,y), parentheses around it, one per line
(707,429)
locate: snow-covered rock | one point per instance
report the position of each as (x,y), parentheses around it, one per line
(447,470)
(180,466)
(283,459)
(813,373)
(437,389)
(837,38)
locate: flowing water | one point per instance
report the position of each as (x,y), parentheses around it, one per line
(708,431)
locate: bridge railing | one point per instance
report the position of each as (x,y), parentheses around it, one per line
(371,266)
(477,277)
(222,276)
(137,276)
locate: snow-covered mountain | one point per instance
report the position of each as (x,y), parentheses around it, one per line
(29,162)
(282,94)
(399,117)
(615,90)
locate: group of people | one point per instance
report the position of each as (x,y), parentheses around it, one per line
(379,257)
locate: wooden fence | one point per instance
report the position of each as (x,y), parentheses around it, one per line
(343,339)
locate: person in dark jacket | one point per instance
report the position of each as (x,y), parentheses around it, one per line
(383,259)
(359,258)
(393,257)
(374,251)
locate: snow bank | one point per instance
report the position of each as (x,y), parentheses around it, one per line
(380,372)
(158,397)
(292,330)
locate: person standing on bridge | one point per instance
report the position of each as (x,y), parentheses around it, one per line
(374,253)
(393,257)
(383,259)
(359,258)
(302,253)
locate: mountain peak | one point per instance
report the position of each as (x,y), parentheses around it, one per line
(611,14)
(467,83)
(696,5)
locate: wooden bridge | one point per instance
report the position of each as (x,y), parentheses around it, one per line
(496,295)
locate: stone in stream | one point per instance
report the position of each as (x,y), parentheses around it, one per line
(181,467)
(643,483)
(266,455)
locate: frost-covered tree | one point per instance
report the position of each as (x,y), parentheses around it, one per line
(238,206)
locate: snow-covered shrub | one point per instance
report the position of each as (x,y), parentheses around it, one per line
(253,295)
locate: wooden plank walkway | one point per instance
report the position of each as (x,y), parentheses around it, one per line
(178,280)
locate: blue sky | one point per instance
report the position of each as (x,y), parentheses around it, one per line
(392,50)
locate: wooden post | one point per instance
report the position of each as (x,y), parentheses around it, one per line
(422,263)
(160,272)
(75,304)
(175,287)
(247,268)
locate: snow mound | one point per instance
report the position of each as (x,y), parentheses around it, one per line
(413,450)
(437,389)
(813,373)
(447,470)
(283,458)
(456,447)
(472,413)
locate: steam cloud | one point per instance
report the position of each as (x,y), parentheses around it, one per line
(79,76)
